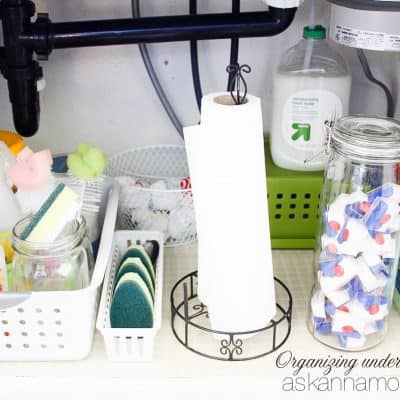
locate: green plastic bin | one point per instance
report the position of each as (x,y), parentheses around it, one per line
(396,299)
(293,201)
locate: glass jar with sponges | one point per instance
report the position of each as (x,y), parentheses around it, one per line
(358,244)
(64,264)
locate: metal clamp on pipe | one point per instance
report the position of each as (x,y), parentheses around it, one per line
(23,37)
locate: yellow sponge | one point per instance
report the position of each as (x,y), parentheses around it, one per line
(60,208)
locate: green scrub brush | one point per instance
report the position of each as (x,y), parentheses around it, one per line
(86,167)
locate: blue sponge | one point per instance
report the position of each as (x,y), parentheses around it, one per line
(132,304)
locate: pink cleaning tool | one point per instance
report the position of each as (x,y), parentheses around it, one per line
(32,170)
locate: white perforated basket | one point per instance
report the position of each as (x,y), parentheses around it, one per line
(130,344)
(152,198)
(57,325)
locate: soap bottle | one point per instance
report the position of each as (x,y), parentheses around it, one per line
(10,212)
(311,85)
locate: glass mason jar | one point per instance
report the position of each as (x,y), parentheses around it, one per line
(65,264)
(358,242)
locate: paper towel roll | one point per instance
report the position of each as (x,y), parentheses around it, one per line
(193,136)
(219,109)
(227,167)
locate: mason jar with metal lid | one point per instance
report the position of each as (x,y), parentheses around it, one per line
(357,245)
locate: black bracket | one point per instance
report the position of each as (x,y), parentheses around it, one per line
(2,61)
(42,46)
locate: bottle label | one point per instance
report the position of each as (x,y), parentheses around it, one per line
(304,117)
(370,40)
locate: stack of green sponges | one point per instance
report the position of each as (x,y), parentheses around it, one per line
(132,304)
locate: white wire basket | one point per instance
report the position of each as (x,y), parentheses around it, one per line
(133,344)
(155,192)
(58,325)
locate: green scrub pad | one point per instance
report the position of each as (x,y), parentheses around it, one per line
(140,252)
(136,265)
(131,305)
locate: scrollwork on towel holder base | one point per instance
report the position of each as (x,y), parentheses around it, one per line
(189,316)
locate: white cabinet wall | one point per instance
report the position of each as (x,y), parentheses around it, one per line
(102,95)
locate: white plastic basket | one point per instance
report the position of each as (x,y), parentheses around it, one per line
(130,344)
(152,198)
(57,325)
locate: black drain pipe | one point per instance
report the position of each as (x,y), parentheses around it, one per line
(22,38)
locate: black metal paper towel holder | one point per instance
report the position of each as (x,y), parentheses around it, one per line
(192,315)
